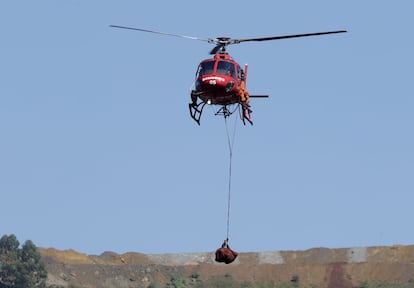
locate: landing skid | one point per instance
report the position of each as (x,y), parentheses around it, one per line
(197,105)
(245,114)
(196,109)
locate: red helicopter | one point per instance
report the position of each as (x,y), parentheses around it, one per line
(220,80)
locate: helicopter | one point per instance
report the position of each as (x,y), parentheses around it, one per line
(220,80)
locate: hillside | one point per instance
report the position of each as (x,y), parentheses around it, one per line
(318,267)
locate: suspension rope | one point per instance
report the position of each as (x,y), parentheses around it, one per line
(230,140)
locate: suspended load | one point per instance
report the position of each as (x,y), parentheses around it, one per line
(225,254)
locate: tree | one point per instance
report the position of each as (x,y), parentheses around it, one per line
(8,258)
(20,267)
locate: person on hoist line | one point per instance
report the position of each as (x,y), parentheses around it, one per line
(225,254)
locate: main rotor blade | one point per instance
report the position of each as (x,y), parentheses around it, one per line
(163,33)
(236,41)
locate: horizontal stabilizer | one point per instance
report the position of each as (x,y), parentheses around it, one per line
(259,96)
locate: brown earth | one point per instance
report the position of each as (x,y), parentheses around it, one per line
(318,267)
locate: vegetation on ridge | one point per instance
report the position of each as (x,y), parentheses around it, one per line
(20,267)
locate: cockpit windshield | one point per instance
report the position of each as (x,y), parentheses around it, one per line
(226,68)
(205,68)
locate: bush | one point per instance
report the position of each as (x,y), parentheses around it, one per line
(177,283)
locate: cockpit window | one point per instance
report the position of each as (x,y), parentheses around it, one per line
(226,68)
(205,68)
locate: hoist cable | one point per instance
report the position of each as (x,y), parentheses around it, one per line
(230,140)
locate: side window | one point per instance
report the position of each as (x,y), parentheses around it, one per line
(239,73)
(199,70)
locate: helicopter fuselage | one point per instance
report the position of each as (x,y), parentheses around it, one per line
(220,81)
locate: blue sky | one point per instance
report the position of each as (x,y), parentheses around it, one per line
(98,152)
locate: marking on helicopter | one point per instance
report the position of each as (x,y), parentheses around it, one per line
(213,78)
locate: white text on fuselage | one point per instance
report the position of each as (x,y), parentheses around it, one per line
(212,80)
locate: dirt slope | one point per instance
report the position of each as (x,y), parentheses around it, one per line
(319,267)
